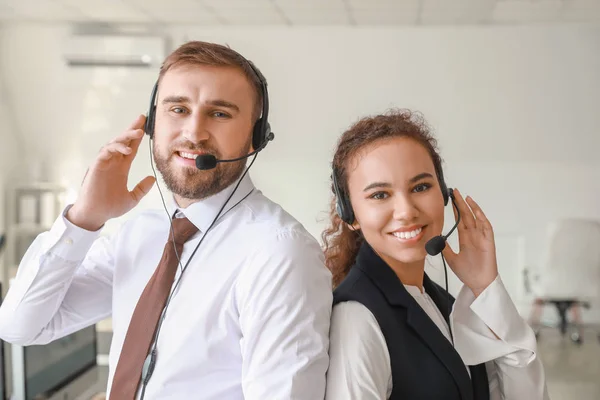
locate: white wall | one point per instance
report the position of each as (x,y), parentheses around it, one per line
(9,143)
(9,150)
(515,110)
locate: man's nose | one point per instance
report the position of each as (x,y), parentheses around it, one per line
(196,128)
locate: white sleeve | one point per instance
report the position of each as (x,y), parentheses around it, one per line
(284,297)
(359,361)
(517,371)
(63,284)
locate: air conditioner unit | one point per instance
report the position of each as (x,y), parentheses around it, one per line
(114,51)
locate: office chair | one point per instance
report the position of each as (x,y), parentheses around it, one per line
(570,275)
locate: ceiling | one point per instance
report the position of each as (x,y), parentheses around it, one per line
(304,12)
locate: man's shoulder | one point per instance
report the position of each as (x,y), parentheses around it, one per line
(274,230)
(273,220)
(280,248)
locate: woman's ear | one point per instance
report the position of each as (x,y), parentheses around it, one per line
(355,226)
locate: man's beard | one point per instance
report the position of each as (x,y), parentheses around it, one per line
(195,184)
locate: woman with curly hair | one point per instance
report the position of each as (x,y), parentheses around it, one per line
(396,334)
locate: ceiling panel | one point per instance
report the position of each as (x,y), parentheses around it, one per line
(383,17)
(259,4)
(182,16)
(42,10)
(582,10)
(457,12)
(109,10)
(250,15)
(305,12)
(177,11)
(243,12)
(302,16)
(314,12)
(310,4)
(365,4)
(158,3)
(162,4)
(520,11)
(385,12)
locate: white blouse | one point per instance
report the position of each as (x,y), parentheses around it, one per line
(514,370)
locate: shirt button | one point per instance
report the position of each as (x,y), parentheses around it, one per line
(69,241)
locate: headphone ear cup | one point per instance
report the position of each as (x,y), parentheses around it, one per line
(344,210)
(150,118)
(445,192)
(258,134)
(443,186)
(149,125)
(342,202)
(348,212)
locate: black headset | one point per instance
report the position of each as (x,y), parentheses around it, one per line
(261,133)
(344,207)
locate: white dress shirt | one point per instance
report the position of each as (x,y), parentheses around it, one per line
(249,320)
(360,367)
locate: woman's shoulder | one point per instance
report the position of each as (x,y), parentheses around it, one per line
(352,323)
(359,363)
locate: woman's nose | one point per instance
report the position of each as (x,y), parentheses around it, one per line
(405,208)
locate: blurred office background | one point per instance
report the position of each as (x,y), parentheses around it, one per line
(510,87)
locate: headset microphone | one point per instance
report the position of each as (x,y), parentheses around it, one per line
(209,161)
(435,245)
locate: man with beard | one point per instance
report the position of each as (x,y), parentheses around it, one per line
(227,296)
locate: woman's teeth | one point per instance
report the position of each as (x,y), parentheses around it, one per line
(407,235)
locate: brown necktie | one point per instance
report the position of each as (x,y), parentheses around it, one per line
(147,312)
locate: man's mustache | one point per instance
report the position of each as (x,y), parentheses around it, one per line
(190,147)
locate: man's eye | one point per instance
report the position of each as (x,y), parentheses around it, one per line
(220,114)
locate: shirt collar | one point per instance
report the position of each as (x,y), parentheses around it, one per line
(203,212)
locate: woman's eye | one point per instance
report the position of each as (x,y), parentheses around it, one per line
(422,187)
(379,195)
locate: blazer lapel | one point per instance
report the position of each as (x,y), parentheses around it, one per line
(443,348)
(383,277)
(397,295)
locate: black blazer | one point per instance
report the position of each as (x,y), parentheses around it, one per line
(425,365)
